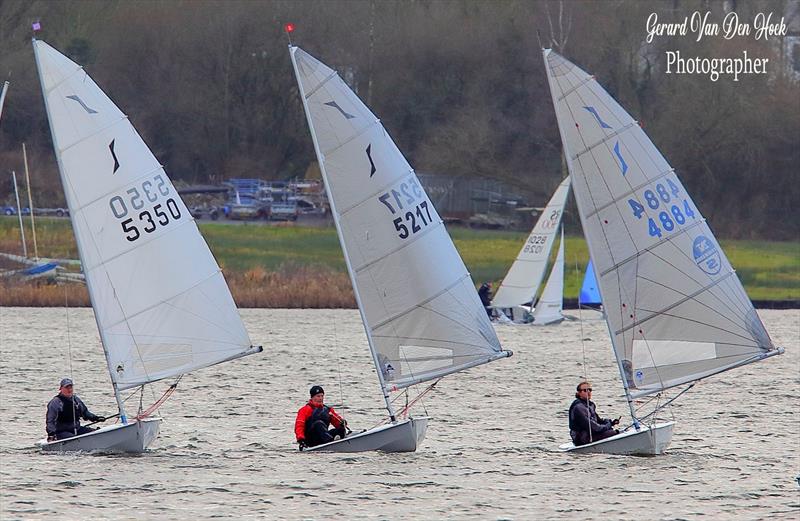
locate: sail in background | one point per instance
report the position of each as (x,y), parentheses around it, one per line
(590,294)
(161,303)
(419,304)
(551,303)
(523,279)
(676,309)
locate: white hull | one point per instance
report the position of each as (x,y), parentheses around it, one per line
(404,436)
(132,437)
(649,440)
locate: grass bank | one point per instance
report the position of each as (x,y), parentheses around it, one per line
(296,266)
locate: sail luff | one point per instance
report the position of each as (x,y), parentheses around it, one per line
(335,214)
(675,309)
(71,204)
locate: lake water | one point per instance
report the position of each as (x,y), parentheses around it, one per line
(227,448)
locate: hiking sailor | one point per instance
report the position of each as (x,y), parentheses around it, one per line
(313,420)
(64,413)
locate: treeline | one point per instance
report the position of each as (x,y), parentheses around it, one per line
(460,85)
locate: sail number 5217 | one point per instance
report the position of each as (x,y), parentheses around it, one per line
(407,201)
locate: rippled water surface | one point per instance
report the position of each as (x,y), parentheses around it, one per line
(226,447)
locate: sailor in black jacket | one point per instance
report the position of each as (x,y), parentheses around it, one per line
(64,413)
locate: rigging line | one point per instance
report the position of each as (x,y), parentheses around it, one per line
(338,361)
(69,356)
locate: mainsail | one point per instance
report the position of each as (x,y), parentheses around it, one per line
(675,307)
(551,303)
(160,301)
(421,312)
(526,273)
(589,295)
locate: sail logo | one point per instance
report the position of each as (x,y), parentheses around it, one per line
(594,113)
(114,155)
(622,164)
(340,109)
(88,109)
(552,222)
(371,162)
(706,255)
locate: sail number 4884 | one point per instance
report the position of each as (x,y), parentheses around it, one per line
(161,214)
(675,211)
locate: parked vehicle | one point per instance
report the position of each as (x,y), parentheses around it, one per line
(58,212)
(207,212)
(284,211)
(12,210)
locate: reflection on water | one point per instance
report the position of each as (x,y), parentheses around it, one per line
(226,446)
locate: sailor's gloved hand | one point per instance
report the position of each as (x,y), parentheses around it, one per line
(100,419)
(51,437)
(615,421)
(301,444)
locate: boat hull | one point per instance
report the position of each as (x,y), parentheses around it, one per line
(133,437)
(404,436)
(649,440)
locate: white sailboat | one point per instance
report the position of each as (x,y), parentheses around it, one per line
(161,304)
(521,284)
(420,310)
(675,309)
(550,305)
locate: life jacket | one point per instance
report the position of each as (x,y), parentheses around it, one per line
(574,425)
(319,414)
(68,418)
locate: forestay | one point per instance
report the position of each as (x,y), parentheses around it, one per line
(527,272)
(420,308)
(676,310)
(161,303)
(551,303)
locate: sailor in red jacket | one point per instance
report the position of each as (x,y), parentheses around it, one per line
(313,419)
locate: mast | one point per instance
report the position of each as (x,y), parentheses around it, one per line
(589,241)
(30,202)
(117,396)
(350,270)
(19,214)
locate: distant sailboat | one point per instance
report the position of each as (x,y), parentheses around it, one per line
(550,306)
(521,284)
(161,304)
(420,310)
(590,294)
(676,311)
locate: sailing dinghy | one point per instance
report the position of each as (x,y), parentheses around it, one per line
(521,284)
(676,311)
(161,304)
(421,313)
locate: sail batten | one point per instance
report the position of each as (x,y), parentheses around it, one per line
(650,246)
(161,304)
(420,310)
